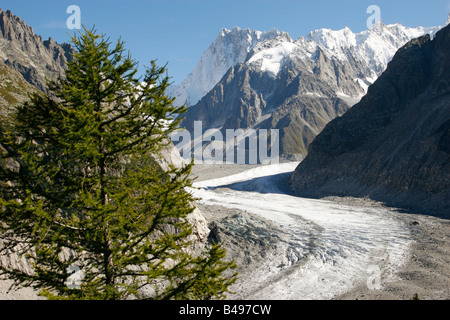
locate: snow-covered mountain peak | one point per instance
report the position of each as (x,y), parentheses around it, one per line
(375,46)
(228,49)
(333,41)
(269,50)
(270,55)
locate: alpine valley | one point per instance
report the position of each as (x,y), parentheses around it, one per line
(364,127)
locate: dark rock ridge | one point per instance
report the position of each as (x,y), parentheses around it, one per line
(34,58)
(394,145)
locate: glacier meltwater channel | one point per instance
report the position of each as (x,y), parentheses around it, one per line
(331,249)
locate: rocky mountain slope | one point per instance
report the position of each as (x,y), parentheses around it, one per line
(393,146)
(299,86)
(374,48)
(34,58)
(14,90)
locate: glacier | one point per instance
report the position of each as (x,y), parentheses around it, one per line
(330,247)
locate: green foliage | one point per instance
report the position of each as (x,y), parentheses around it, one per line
(80,189)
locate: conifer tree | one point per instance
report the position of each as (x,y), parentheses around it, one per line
(80,189)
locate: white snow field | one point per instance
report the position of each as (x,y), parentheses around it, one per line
(330,247)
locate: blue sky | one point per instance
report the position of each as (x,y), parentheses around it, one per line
(178,31)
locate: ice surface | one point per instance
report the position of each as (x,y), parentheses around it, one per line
(333,247)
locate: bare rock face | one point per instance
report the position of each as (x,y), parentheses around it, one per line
(393,146)
(228,49)
(14,90)
(170,155)
(34,58)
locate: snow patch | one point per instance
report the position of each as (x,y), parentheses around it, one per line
(271,60)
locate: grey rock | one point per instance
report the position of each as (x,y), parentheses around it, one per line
(294,86)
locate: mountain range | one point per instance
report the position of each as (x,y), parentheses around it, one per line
(375,47)
(394,145)
(390,145)
(297,87)
(228,49)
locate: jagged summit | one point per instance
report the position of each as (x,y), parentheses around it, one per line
(237,29)
(36,59)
